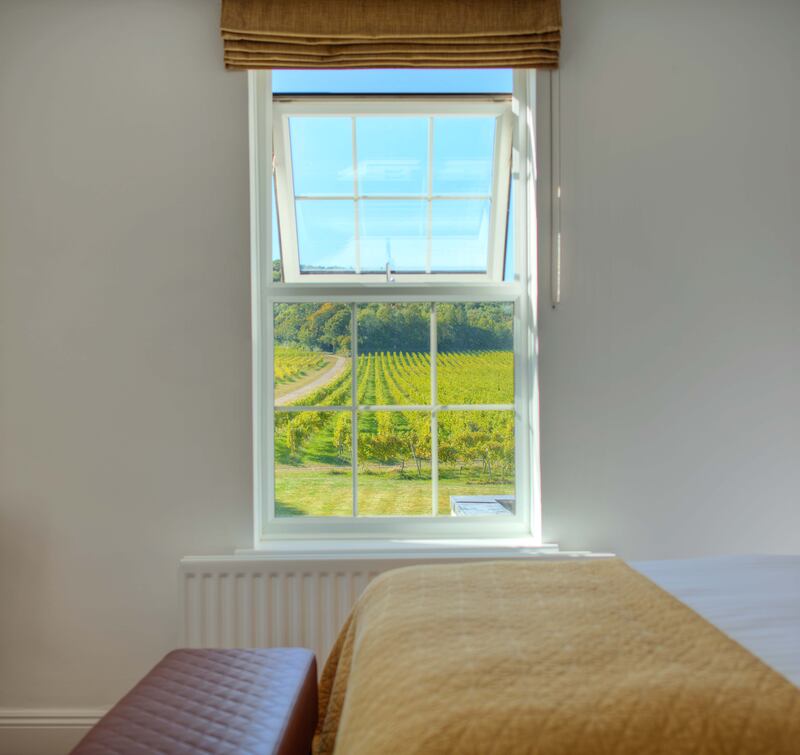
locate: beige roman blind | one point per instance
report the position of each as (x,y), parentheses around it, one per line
(391,33)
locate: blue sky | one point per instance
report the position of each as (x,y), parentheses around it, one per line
(392,81)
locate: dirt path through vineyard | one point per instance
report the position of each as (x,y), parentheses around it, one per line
(336,369)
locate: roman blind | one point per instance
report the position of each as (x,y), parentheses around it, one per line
(391,33)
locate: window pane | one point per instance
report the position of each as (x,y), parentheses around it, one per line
(322,156)
(312,362)
(475,364)
(326,235)
(394,354)
(389,81)
(313,474)
(313,471)
(392,156)
(460,235)
(462,155)
(476,463)
(394,232)
(394,464)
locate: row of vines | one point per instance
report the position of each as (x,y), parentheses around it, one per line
(480,442)
(293,363)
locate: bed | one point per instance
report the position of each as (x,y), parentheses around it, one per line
(575,656)
(755,600)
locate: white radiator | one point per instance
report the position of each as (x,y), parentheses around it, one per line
(235,602)
(232,603)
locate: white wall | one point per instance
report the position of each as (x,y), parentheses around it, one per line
(124,334)
(670,375)
(670,419)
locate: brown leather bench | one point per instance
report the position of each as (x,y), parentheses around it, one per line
(215,701)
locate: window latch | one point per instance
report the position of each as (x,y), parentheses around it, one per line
(389,273)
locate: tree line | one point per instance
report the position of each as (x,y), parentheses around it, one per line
(385,327)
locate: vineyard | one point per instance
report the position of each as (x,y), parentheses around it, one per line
(291,364)
(295,367)
(313,449)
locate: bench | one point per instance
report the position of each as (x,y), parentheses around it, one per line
(212,702)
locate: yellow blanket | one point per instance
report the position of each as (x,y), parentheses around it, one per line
(571,657)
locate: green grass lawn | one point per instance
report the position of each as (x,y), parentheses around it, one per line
(328,492)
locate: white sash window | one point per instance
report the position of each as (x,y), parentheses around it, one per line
(393,349)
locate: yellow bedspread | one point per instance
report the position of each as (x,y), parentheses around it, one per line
(570,657)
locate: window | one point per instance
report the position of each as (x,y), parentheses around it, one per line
(392,342)
(410,188)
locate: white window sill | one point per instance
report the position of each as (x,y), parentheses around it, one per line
(399,550)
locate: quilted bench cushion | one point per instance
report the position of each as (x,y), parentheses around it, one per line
(215,701)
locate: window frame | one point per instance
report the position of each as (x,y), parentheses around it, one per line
(526,522)
(352,106)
